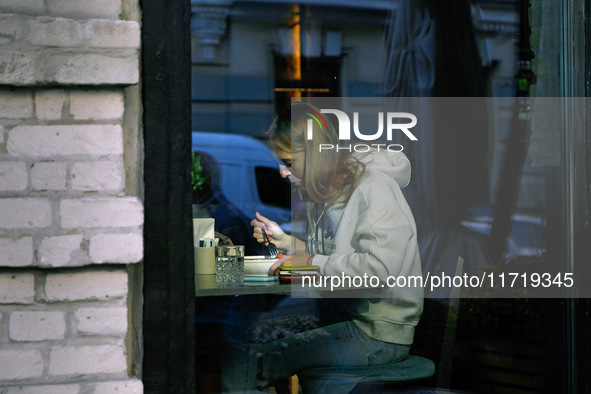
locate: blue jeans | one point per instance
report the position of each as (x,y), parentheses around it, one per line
(252,366)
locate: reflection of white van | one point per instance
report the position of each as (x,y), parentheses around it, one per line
(250,176)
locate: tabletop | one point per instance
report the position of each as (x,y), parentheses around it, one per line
(205,286)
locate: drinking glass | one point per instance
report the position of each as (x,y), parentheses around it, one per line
(229,264)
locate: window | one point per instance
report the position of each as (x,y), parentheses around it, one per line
(234,91)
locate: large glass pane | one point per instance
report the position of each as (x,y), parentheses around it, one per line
(490,196)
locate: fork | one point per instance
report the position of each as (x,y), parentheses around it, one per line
(271,246)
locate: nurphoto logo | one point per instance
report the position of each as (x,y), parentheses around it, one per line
(344,129)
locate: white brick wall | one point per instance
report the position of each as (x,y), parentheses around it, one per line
(82,69)
(13,176)
(87,360)
(96,104)
(49,141)
(56,251)
(49,104)
(55,32)
(94,63)
(20,364)
(73,69)
(16,253)
(61,32)
(83,9)
(116,248)
(102,321)
(48,176)
(24,212)
(62,183)
(17,288)
(98,176)
(17,104)
(53,389)
(91,285)
(105,34)
(123,387)
(37,326)
(18,68)
(11,28)
(112,212)
(31,7)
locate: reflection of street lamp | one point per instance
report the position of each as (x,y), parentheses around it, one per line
(208,23)
(303,38)
(291,47)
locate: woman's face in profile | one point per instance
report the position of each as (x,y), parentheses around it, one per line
(293,168)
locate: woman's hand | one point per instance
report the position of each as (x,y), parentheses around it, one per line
(297,259)
(274,232)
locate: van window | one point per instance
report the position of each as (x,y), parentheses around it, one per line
(272,188)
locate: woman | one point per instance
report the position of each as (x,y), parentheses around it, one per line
(358,224)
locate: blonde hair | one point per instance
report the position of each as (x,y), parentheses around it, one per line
(329,176)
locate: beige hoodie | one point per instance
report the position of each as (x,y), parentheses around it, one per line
(374,233)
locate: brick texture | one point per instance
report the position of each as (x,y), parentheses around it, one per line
(122,387)
(57,50)
(12,28)
(55,32)
(108,212)
(49,141)
(48,176)
(116,248)
(30,7)
(91,285)
(98,176)
(17,104)
(92,69)
(107,34)
(102,321)
(87,360)
(16,253)
(13,176)
(17,289)
(17,68)
(24,212)
(28,68)
(53,389)
(20,364)
(85,9)
(96,104)
(56,251)
(37,326)
(49,104)
(61,140)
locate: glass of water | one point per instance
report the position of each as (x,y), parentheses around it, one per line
(229,264)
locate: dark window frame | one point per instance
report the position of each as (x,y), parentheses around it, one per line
(169,288)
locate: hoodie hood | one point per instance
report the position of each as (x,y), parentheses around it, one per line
(394,164)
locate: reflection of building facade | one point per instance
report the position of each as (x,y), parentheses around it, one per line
(241,52)
(250,57)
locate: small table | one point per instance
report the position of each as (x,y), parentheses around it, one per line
(205,286)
